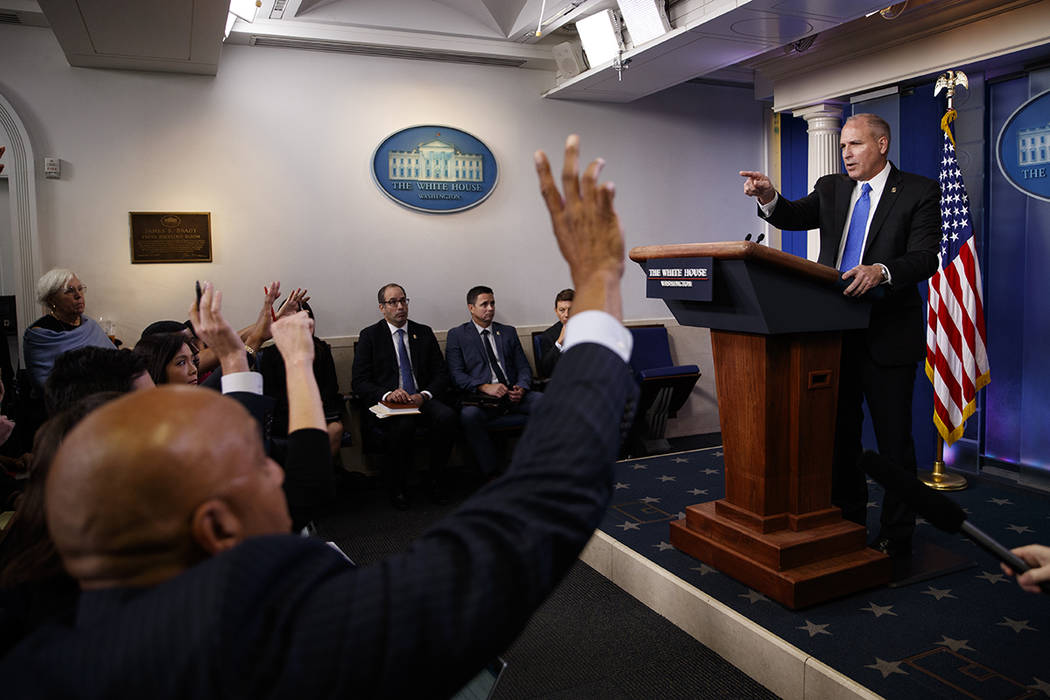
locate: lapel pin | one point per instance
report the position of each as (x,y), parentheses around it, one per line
(415,337)
(893,189)
(497,332)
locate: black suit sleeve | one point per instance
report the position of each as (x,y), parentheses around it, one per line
(327,381)
(363,373)
(549,352)
(421,623)
(307,474)
(431,372)
(923,221)
(799,215)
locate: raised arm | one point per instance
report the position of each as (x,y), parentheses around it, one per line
(587,230)
(293,336)
(213,329)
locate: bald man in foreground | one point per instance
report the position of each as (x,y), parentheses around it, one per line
(165,508)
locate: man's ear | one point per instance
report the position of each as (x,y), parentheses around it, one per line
(215,527)
(884,145)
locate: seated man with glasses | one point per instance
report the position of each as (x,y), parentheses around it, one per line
(399,361)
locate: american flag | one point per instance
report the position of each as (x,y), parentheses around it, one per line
(956,361)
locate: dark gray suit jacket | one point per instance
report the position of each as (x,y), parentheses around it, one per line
(287,617)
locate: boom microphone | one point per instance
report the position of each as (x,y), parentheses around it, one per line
(942,512)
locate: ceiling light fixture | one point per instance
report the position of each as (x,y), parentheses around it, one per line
(553,18)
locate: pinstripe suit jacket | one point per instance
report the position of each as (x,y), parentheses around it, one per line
(286,617)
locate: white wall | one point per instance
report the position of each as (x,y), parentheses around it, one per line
(277,148)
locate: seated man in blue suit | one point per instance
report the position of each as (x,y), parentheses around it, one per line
(164,507)
(486,362)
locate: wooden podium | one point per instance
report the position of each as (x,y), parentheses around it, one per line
(776,322)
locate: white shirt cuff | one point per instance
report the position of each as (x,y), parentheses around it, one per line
(767,209)
(598,327)
(249,382)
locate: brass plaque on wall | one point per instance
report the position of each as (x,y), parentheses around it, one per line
(170,237)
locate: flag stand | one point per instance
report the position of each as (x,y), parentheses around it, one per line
(939,479)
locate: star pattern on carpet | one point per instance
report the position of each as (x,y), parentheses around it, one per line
(704,569)
(717,454)
(939,593)
(621,485)
(879,610)
(992,577)
(702,477)
(955,645)
(814,629)
(1016,625)
(753,597)
(680,460)
(1040,685)
(886,667)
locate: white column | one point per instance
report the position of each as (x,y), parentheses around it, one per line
(823,125)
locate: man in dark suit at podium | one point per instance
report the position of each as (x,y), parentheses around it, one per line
(879,227)
(487,363)
(399,361)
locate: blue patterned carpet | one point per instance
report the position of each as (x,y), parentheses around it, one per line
(970,634)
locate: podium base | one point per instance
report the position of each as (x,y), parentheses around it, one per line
(795,568)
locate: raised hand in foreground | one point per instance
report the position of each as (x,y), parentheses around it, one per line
(587,229)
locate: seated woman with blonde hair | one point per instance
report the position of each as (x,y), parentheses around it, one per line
(64,327)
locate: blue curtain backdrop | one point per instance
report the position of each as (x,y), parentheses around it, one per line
(794,158)
(1017,304)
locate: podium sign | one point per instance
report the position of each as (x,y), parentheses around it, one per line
(688,279)
(776,325)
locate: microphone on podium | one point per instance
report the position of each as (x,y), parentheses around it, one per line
(761,237)
(747,237)
(942,512)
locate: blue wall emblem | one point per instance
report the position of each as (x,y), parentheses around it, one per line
(1023,149)
(436,169)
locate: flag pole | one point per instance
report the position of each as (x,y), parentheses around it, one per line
(939,478)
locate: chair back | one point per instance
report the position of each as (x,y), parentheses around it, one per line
(651,349)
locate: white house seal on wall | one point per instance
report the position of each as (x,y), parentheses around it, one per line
(435,169)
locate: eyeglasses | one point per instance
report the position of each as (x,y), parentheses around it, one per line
(75,290)
(396,302)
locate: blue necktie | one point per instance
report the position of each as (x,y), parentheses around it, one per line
(855,236)
(407,382)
